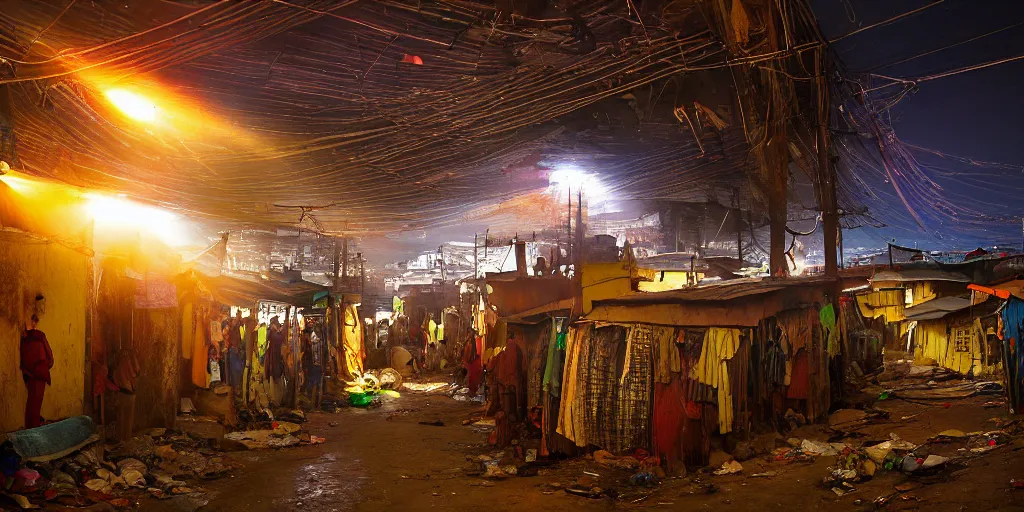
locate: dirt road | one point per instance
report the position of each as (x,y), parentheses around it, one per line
(383,459)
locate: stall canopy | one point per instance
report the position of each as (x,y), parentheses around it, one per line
(244,289)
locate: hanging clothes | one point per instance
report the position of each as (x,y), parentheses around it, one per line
(800,380)
(669,420)
(827,317)
(667,359)
(570,415)
(1011,332)
(200,352)
(632,411)
(555,364)
(720,345)
(432,332)
(474,369)
(352,343)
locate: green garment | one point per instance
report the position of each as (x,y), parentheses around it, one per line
(827,317)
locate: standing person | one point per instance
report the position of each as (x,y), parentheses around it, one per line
(312,365)
(236,350)
(272,361)
(36,362)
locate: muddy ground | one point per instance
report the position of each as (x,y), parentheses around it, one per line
(384,459)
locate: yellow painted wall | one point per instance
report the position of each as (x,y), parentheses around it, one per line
(29,266)
(932,341)
(668,280)
(882,303)
(605,281)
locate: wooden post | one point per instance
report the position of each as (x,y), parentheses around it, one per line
(826,178)
(738,223)
(568,243)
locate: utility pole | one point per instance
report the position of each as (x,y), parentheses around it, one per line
(758,93)
(738,224)
(568,244)
(826,175)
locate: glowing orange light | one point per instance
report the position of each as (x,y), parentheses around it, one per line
(114,213)
(132,105)
(16,183)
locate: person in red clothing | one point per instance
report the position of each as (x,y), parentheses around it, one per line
(36,362)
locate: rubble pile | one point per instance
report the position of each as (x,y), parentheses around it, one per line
(160,463)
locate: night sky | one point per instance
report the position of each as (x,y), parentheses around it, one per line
(975,114)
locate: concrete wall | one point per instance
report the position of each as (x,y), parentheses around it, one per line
(29,266)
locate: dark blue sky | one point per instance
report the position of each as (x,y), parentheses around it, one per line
(977,114)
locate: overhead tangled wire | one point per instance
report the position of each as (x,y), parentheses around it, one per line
(366,117)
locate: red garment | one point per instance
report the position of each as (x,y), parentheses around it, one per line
(36,356)
(800,378)
(669,421)
(34,404)
(474,369)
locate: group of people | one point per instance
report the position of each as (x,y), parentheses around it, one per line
(260,352)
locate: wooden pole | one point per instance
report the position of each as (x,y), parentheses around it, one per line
(826,180)
(738,223)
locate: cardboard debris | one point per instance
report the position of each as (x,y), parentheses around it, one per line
(729,468)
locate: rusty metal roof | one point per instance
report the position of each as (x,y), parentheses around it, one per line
(725,291)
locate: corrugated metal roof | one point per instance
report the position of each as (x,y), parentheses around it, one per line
(724,291)
(920,274)
(937,308)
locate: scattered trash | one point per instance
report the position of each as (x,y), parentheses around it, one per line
(531,455)
(605,458)
(22,501)
(729,468)
(643,479)
(28,476)
(1016,484)
(276,438)
(435,423)
(817,448)
(187,407)
(766,474)
(165,452)
(933,461)
(843,490)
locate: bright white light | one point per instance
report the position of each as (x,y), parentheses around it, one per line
(573,179)
(132,105)
(116,214)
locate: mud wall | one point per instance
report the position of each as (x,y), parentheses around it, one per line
(30,265)
(158,346)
